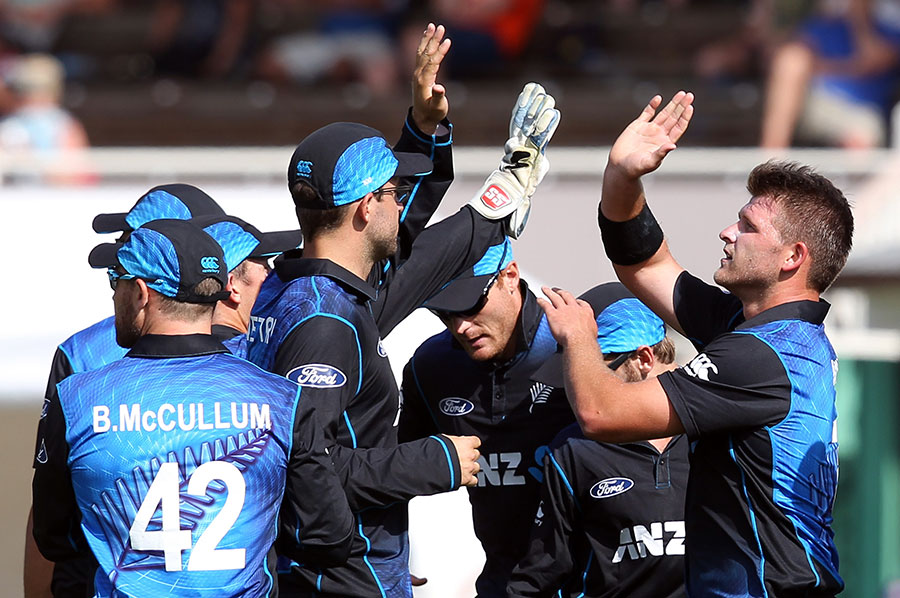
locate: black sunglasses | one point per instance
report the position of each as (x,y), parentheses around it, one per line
(115,277)
(479,305)
(620,359)
(401,193)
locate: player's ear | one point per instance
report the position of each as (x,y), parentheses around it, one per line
(365,208)
(234,295)
(645,360)
(510,277)
(799,254)
(141,295)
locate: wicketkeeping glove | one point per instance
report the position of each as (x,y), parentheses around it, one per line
(508,190)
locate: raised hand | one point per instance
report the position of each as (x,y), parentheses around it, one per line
(641,147)
(430,105)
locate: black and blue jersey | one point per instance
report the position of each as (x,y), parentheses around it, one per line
(321,326)
(758,402)
(171,464)
(444,390)
(610,522)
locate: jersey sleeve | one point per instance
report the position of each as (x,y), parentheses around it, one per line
(57,529)
(415,420)
(549,560)
(428,190)
(441,253)
(316,521)
(737,383)
(704,311)
(373,476)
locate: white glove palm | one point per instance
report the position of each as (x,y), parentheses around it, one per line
(508,190)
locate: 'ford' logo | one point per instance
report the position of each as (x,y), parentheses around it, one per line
(455,406)
(317,375)
(611,487)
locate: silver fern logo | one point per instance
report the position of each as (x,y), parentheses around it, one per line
(540,394)
(139,536)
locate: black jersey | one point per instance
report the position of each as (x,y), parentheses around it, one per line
(321,326)
(758,402)
(610,522)
(444,390)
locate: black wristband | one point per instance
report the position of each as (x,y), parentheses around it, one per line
(630,242)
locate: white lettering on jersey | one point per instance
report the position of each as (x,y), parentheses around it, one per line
(495,475)
(186,417)
(700,366)
(664,538)
(261,328)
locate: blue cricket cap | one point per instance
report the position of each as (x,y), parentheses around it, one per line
(464,292)
(241,240)
(623,325)
(343,162)
(172,256)
(174,200)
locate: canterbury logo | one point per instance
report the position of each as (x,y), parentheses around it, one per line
(304,168)
(209,263)
(495,198)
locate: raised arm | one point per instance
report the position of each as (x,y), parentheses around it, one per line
(430,105)
(631,236)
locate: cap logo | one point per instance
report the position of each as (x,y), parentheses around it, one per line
(210,264)
(494,197)
(304,168)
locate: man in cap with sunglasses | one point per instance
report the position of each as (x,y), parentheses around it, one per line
(227,454)
(367,263)
(611,518)
(475,378)
(96,346)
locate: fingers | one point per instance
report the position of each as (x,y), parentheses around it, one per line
(650,109)
(544,128)
(426,37)
(674,118)
(520,109)
(430,53)
(559,297)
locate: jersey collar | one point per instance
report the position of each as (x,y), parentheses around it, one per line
(291,265)
(808,311)
(175,345)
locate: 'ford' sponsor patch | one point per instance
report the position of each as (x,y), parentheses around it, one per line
(611,487)
(454,406)
(317,375)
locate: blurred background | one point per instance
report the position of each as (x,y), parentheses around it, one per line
(102,99)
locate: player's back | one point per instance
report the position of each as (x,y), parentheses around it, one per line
(178,467)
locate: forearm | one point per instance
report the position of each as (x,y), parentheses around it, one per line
(622,196)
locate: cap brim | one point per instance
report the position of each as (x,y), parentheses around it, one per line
(277,242)
(110,223)
(460,295)
(104,255)
(411,165)
(551,372)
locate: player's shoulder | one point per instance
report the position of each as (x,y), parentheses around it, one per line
(438,350)
(236,371)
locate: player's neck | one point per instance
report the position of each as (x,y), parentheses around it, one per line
(227,316)
(756,303)
(345,252)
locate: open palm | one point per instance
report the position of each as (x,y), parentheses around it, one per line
(645,142)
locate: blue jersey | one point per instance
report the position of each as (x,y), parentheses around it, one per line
(178,456)
(764,463)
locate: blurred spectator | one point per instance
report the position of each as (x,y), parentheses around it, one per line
(486,34)
(351,40)
(836,82)
(207,38)
(36,124)
(34,25)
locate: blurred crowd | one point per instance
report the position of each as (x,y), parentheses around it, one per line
(826,70)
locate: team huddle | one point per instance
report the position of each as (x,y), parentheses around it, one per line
(235,429)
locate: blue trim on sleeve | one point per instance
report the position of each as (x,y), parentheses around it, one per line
(366,556)
(585,574)
(449,460)
(319,582)
(762,557)
(350,429)
(561,473)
